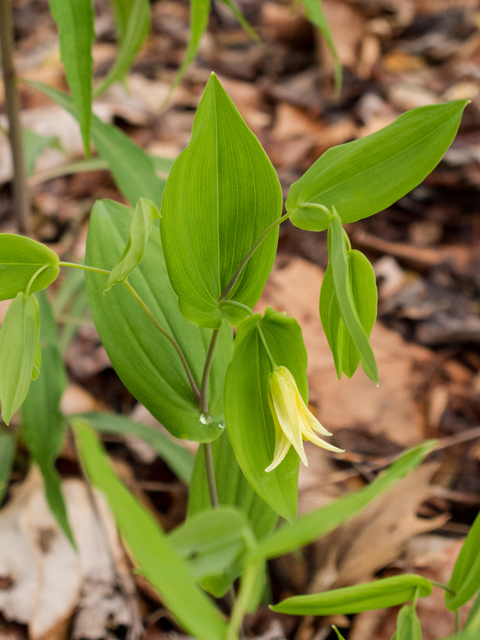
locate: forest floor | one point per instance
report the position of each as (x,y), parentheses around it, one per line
(397,55)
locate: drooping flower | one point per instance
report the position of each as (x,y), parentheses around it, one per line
(292,419)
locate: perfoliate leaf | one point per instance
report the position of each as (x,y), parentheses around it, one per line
(145,360)
(133,22)
(473,618)
(151,549)
(179,459)
(18,345)
(465,580)
(233,489)
(316,16)
(342,283)
(75,21)
(144,216)
(20,259)
(132,168)
(388,592)
(363,177)
(211,541)
(42,422)
(249,422)
(364,292)
(318,523)
(221,194)
(34,145)
(408,625)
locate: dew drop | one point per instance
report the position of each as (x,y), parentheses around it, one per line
(205,418)
(221,425)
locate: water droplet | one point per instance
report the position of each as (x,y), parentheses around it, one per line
(205,418)
(221,425)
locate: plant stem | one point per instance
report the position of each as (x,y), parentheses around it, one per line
(212,485)
(83,266)
(241,266)
(269,355)
(457,621)
(12,105)
(247,586)
(206,371)
(169,337)
(445,587)
(33,278)
(234,303)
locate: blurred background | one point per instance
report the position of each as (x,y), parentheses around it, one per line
(396,55)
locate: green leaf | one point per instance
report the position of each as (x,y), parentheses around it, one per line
(221,194)
(177,457)
(145,360)
(241,19)
(473,619)
(133,169)
(7,456)
(316,16)
(342,282)
(18,345)
(465,580)
(408,625)
(364,292)
(75,21)
(363,177)
(249,422)
(233,489)
(155,556)
(42,422)
(388,592)
(318,523)
(199,14)
(20,259)
(144,216)
(211,541)
(133,21)
(34,145)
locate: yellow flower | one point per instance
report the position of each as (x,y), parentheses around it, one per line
(292,419)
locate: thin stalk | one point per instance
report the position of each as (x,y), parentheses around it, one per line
(247,586)
(234,303)
(445,587)
(209,468)
(21,198)
(241,266)
(269,355)
(169,337)
(33,278)
(457,621)
(206,371)
(82,266)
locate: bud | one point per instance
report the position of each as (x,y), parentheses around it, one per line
(292,419)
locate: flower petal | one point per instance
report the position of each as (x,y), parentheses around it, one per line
(283,393)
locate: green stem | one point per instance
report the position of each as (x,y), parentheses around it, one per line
(12,107)
(269,355)
(247,586)
(210,470)
(33,278)
(206,371)
(169,337)
(234,303)
(457,621)
(445,587)
(84,267)
(241,266)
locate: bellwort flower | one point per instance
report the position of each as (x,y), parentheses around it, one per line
(292,419)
